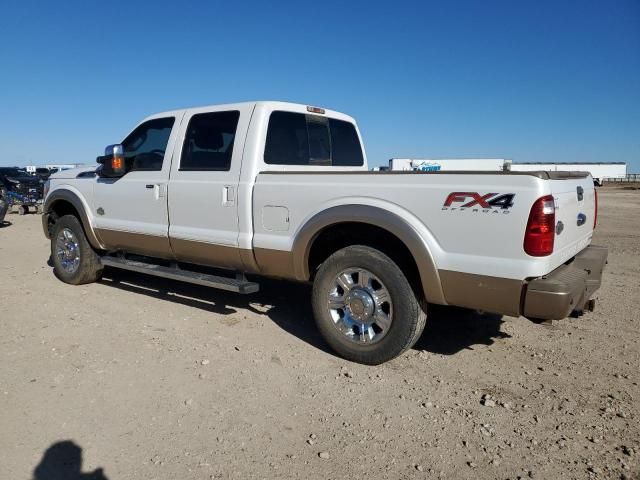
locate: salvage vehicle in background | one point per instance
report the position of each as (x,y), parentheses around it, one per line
(22,190)
(283,190)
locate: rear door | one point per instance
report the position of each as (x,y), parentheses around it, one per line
(203,188)
(575,213)
(131,211)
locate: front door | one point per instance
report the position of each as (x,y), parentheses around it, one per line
(203,188)
(131,211)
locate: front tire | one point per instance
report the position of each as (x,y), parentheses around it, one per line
(74,260)
(364,306)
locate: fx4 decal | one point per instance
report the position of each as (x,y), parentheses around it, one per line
(489,202)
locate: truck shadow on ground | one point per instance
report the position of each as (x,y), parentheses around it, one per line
(451,329)
(288,304)
(63,461)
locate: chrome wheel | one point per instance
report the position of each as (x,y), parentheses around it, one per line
(68,250)
(360,306)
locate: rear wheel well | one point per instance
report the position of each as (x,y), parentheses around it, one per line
(338,236)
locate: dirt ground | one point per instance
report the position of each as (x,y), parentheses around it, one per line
(151,379)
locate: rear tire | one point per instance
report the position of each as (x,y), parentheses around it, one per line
(74,260)
(364,306)
(23,210)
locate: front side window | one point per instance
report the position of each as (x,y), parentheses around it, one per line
(208,143)
(300,139)
(144,148)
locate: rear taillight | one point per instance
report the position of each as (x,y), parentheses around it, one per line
(541,228)
(595,213)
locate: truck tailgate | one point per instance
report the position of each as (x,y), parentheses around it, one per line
(575,204)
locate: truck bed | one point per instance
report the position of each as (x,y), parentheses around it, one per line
(472,240)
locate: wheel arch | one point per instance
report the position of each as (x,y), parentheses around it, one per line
(397,231)
(65,202)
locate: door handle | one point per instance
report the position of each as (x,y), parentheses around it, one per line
(159,190)
(228,196)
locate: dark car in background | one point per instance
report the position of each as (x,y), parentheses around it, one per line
(14,178)
(21,189)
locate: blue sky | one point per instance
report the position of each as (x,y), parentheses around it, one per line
(530,81)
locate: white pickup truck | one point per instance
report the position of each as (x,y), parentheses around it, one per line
(283,190)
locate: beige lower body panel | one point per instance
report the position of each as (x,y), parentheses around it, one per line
(481,292)
(208,254)
(275,263)
(188,251)
(139,243)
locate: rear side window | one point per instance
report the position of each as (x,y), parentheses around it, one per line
(208,143)
(345,145)
(287,139)
(300,139)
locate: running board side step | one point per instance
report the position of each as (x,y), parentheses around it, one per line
(238,285)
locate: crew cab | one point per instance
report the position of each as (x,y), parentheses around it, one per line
(209,195)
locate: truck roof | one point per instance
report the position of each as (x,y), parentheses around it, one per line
(268,104)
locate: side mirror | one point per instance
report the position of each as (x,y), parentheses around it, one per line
(113,163)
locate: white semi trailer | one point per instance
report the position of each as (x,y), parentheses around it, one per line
(450,165)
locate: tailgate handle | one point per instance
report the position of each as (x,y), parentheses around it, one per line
(580,191)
